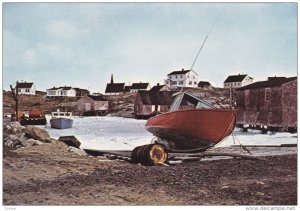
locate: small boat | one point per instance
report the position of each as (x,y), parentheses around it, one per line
(61,120)
(191,124)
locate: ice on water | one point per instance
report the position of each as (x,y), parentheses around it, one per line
(117,133)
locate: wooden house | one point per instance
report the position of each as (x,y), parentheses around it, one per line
(26,88)
(114,88)
(204,84)
(135,87)
(149,103)
(237,81)
(271,103)
(93,105)
(159,88)
(82,92)
(182,78)
(63,91)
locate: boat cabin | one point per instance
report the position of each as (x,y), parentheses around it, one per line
(59,114)
(184,101)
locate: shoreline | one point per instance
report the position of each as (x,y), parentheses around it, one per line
(50,174)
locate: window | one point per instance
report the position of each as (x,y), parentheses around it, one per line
(19,90)
(180,76)
(195,83)
(27,90)
(180,82)
(190,83)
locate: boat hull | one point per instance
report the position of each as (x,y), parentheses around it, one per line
(193,129)
(61,123)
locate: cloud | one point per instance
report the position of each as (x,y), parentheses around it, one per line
(61,30)
(30,57)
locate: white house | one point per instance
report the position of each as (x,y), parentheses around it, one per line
(63,91)
(182,78)
(237,81)
(26,88)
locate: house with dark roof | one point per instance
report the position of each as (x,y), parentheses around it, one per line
(271,103)
(150,103)
(159,88)
(204,84)
(135,87)
(81,92)
(237,81)
(114,88)
(26,88)
(182,78)
(93,105)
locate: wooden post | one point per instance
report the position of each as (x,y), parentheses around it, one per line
(15,96)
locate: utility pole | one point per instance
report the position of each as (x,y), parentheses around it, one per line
(15,96)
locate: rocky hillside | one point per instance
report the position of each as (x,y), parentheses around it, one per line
(119,105)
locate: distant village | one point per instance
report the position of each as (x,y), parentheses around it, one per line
(272,102)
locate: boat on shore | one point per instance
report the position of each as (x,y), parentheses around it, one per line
(191,124)
(61,120)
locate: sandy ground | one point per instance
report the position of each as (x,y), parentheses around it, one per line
(51,175)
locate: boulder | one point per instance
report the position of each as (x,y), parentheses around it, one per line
(28,142)
(50,140)
(36,133)
(77,151)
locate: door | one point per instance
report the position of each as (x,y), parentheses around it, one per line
(87,106)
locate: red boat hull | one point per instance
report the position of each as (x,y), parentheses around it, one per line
(192,129)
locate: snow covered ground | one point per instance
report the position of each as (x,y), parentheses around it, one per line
(117,133)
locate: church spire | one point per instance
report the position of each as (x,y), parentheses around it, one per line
(112,79)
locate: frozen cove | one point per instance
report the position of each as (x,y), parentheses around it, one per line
(117,133)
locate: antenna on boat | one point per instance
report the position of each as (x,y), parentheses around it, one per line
(214,23)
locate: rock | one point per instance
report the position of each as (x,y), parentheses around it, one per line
(260,183)
(259,194)
(28,142)
(37,142)
(36,133)
(77,151)
(50,140)
(12,140)
(15,127)
(224,187)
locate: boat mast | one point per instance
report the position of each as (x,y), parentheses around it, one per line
(214,23)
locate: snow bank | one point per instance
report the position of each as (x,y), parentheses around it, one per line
(117,133)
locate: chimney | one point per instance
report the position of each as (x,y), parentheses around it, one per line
(182,69)
(157,84)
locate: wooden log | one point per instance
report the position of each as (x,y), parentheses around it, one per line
(186,159)
(231,155)
(152,154)
(174,162)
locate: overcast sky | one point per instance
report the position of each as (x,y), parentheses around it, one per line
(82,44)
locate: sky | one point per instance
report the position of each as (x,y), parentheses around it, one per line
(82,44)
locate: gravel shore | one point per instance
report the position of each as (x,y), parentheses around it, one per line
(50,174)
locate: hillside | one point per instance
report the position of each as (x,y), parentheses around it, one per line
(121,105)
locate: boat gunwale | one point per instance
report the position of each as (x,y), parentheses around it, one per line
(193,110)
